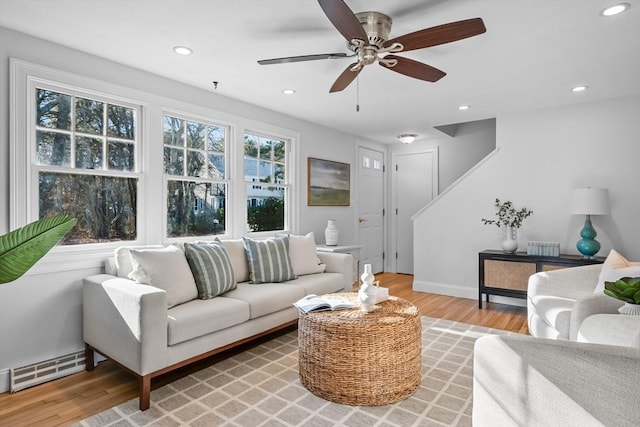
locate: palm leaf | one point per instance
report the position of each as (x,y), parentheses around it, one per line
(20,249)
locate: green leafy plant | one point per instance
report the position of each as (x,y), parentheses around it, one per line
(20,249)
(626,289)
(508,215)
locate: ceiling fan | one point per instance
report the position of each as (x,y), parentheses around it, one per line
(367,35)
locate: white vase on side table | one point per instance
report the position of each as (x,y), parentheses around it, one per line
(510,242)
(331,233)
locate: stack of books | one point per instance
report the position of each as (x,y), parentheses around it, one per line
(543,248)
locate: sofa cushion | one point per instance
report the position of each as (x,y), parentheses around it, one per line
(167,269)
(302,251)
(238,257)
(269,260)
(267,298)
(122,258)
(616,267)
(319,284)
(200,317)
(211,268)
(555,312)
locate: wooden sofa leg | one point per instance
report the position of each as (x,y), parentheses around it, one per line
(145,392)
(89,363)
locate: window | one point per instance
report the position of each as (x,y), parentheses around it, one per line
(266,181)
(195,167)
(85,158)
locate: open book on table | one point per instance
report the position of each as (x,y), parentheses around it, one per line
(313,302)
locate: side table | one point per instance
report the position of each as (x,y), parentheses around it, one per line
(508,274)
(358,358)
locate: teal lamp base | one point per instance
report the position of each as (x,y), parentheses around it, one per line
(588,246)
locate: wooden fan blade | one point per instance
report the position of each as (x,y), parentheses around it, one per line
(345,78)
(440,34)
(414,69)
(303,58)
(343,19)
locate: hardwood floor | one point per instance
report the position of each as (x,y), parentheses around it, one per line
(78,396)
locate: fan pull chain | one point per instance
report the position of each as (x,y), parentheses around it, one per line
(358,94)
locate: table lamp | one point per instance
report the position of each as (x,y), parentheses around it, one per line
(589,201)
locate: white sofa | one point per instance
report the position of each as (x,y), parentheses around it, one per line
(527,381)
(132,324)
(580,368)
(564,304)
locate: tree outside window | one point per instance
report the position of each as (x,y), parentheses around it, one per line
(195,166)
(86,162)
(267,186)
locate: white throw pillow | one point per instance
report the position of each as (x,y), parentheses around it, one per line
(167,269)
(616,267)
(235,249)
(302,251)
(122,256)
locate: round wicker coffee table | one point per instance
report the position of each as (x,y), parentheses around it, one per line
(358,358)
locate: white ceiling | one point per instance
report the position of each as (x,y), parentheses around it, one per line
(533,53)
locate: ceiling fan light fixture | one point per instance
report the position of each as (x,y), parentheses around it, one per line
(288,91)
(616,9)
(182,50)
(407,138)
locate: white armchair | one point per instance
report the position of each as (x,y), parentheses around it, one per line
(563,304)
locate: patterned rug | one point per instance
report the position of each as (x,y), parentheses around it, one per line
(260,387)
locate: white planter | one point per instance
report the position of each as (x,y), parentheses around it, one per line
(631,309)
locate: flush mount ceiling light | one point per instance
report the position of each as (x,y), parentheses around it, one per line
(615,9)
(288,91)
(182,50)
(580,88)
(407,138)
(463,107)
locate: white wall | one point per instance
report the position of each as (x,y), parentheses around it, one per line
(471,142)
(541,156)
(40,314)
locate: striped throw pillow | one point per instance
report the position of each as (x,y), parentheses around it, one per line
(211,268)
(269,260)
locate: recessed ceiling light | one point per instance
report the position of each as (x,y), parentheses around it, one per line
(182,50)
(615,9)
(288,91)
(463,107)
(579,88)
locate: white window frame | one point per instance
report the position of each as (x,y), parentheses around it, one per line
(149,162)
(288,184)
(25,79)
(229,209)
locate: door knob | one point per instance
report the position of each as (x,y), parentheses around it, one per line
(361,219)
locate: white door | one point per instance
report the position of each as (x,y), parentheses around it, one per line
(415,184)
(370,208)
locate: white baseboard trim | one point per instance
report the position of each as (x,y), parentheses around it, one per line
(463,292)
(5,380)
(445,289)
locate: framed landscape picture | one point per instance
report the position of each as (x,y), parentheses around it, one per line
(328,183)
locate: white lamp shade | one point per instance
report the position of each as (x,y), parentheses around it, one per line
(589,201)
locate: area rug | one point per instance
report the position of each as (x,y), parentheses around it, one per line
(261,387)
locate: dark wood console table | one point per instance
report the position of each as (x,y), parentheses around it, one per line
(507,275)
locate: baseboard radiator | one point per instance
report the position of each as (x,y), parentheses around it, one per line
(41,372)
